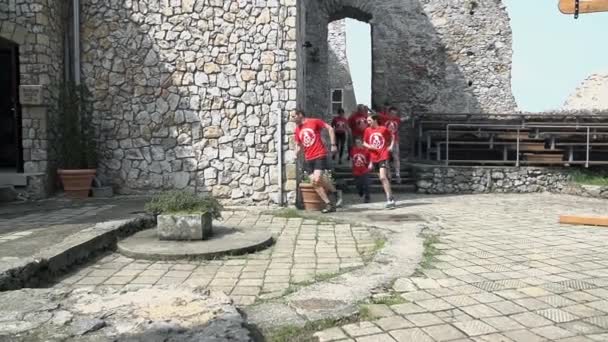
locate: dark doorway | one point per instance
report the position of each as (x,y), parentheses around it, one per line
(10,111)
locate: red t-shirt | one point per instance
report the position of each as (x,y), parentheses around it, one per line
(309,135)
(392,123)
(339,124)
(380,138)
(360,157)
(357,123)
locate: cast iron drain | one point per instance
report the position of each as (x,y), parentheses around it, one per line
(396,217)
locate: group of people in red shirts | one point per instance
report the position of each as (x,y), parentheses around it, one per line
(373,140)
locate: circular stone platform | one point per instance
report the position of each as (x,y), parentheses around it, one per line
(225,241)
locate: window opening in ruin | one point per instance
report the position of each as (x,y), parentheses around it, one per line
(336,100)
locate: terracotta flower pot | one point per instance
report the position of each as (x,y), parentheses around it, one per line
(310,198)
(77,183)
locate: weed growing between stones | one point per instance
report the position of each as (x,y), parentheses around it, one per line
(429,254)
(306,333)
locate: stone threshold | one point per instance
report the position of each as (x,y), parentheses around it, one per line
(48,263)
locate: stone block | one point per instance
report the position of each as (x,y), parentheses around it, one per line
(184,227)
(104,191)
(7,194)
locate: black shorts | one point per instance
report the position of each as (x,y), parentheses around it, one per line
(381,164)
(315,164)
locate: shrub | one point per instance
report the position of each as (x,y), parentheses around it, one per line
(174,202)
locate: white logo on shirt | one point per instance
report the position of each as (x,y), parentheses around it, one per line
(308,137)
(359,160)
(377,140)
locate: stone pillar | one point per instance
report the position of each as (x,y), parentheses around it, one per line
(35,138)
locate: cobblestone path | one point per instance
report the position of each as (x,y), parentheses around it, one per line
(506,271)
(305,250)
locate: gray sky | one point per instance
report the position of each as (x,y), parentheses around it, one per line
(552,53)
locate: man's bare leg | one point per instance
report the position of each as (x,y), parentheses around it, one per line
(386,185)
(318,183)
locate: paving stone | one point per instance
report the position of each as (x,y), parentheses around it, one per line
(460,300)
(531,320)
(531,303)
(580,327)
(404,285)
(116,280)
(329,335)
(580,296)
(444,332)
(601,305)
(503,323)
(506,307)
(493,338)
(361,329)
(409,335)
(552,332)
(582,311)
(393,323)
(376,338)
(485,297)
(480,311)
(599,337)
(523,336)
(378,310)
(416,296)
(435,304)
(425,283)
(600,321)
(407,308)
(557,315)
(475,328)
(423,319)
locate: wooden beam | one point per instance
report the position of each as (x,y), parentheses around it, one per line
(584,220)
(585,6)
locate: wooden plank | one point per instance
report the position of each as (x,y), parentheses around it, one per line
(584,220)
(585,6)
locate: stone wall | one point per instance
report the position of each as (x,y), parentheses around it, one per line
(188,93)
(37,27)
(433,179)
(339,68)
(427,56)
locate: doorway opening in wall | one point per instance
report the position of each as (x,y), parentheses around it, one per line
(11,158)
(349,64)
(359,54)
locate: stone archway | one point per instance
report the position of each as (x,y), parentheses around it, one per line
(425,57)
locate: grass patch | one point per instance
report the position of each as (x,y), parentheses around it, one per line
(429,254)
(378,245)
(590,177)
(393,299)
(365,313)
(305,333)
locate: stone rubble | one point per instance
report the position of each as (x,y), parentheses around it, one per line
(146,314)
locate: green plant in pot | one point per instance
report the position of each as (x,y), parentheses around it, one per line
(74,141)
(183,215)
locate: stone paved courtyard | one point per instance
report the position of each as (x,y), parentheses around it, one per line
(305,250)
(506,271)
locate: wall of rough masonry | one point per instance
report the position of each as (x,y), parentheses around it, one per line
(482,179)
(339,68)
(188,93)
(37,27)
(427,56)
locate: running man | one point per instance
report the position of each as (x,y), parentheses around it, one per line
(308,138)
(392,121)
(379,140)
(340,126)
